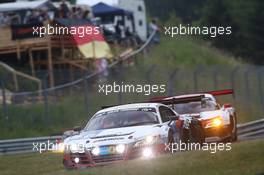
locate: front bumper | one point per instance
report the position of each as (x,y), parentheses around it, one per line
(86,159)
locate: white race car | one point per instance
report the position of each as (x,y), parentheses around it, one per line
(203,118)
(121,133)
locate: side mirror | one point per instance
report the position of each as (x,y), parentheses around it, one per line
(77,128)
(173,118)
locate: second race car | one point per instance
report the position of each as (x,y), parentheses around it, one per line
(203,118)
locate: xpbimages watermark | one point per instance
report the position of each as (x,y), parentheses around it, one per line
(145,89)
(81,31)
(211,31)
(47,146)
(213,147)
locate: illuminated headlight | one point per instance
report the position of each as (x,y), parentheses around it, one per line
(149,139)
(76,159)
(96,151)
(152,139)
(147,152)
(217,122)
(214,122)
(120,148)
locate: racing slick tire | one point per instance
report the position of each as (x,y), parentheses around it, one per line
(170,137)
(196,132)
(185,135)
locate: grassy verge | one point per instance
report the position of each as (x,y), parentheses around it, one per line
(245,158)
(184,51)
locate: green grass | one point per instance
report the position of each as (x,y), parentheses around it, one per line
(245,158)
(183,51)
(31,120)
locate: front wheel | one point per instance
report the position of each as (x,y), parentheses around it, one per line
(170,137)
(170,141)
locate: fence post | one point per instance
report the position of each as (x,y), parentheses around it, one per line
(215,75)
(5,107)
(247,83)
(86,100)
(248,94)
(46,103)
(171,82)
(119,80)
(260,87)
(233,74)
(196,73)
(120,98)
(233,81)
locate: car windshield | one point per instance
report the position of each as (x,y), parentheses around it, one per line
(195,107)
(119,119)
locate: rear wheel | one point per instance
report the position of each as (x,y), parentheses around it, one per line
(185,135)
(194,134)
(197,133)
(233,129)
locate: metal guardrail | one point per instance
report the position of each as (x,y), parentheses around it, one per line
(25,145)
(251,129)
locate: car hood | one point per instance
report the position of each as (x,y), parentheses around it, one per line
(113,136)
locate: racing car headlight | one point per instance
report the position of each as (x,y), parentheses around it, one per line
(147,153)
(96,151)
(149,140)
(120,148)
(152,139)
(214,122)
(76,159)
(217,122)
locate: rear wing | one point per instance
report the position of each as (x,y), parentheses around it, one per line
(221,92)
(170,100)
(177,99)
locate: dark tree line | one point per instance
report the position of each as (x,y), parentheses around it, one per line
(245,17)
